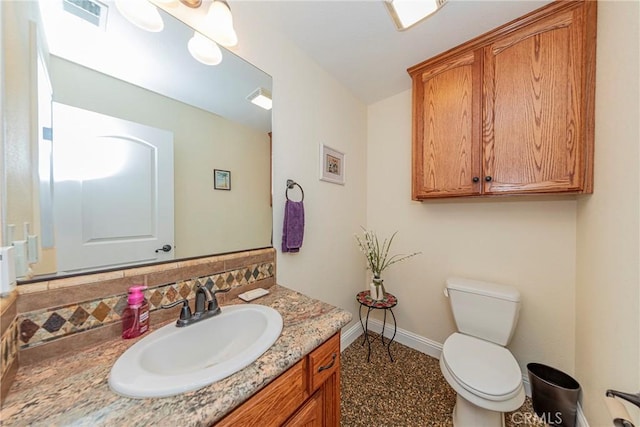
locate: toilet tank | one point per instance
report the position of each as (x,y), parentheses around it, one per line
(484,310)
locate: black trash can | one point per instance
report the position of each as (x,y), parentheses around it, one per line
(554,395)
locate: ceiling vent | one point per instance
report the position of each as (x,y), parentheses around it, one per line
(91,11)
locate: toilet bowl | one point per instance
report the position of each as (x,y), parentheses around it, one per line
(486,378)
(474,361)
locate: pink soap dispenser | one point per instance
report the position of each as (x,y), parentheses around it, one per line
(135,318)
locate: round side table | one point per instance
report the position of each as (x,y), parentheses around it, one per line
(386,304)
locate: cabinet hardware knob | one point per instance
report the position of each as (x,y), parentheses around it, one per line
(488,178)
(330,365)
(475,179)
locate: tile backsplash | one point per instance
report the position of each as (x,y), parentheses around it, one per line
(39,326)
(60,316)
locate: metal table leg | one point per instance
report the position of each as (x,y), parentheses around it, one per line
(366,334)
(387,303)
(395,330)
(364,330)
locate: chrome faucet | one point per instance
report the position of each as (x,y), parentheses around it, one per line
(203,296)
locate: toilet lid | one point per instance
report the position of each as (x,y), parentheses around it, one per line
(482,367)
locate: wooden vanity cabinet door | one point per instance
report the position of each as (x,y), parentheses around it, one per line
(535,101)
(324,376)
(310,414)
(272,405)
(447,127)
(286,402)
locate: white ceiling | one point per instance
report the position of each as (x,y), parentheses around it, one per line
(357,42)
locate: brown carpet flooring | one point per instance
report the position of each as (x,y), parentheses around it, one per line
(409,392)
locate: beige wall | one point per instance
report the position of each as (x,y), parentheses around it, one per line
(3,188)
(206,220)
(310,108)
(18,103)
(608,227)
(575,260)
(528,243)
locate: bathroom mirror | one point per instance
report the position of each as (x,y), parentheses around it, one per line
(110,68)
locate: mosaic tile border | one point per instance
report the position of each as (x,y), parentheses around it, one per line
(39,326)
(9,346)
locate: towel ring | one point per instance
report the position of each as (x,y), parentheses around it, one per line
(290,184)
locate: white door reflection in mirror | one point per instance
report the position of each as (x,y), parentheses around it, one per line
(114,206)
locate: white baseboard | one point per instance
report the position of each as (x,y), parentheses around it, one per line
(581,419)
(429,347)
(404,337)
(526,384)
(349,335)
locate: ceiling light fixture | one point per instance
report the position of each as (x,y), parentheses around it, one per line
(204,50)
(218,19)
(407,13)
(191,3)
(142,14)
(220,22)
(261,97)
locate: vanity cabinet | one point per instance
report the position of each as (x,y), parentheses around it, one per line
(307,394)
(510,112)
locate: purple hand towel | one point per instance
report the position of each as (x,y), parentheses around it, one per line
(293,229)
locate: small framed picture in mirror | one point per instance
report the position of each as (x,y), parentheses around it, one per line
(221,179)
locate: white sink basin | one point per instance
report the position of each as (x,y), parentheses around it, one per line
(175,360)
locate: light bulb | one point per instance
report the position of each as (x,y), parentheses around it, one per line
(220,22)
(142,14)
(204,49)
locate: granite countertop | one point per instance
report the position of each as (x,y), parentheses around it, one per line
(74,390)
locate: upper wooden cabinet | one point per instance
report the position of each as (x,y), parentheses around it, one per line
(510,112)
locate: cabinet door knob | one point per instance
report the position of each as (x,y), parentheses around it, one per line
(488,178)
(475,179)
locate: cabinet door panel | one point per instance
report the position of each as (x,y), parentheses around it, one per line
(310,414)
(532,91)
(272,405)
(446,133)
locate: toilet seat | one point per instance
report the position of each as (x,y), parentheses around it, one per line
(483,368)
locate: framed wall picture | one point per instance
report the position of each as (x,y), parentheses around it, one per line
(332,165)
(221,179)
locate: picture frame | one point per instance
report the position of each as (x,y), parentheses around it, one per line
(332,165)
(221,179)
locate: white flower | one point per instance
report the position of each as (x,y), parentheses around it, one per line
(377,255)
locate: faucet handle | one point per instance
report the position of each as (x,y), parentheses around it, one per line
(185,312)
(217,291)
(213,305)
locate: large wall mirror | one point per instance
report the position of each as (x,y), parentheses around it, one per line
(111,138)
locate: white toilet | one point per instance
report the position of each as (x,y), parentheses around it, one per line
(474,361)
